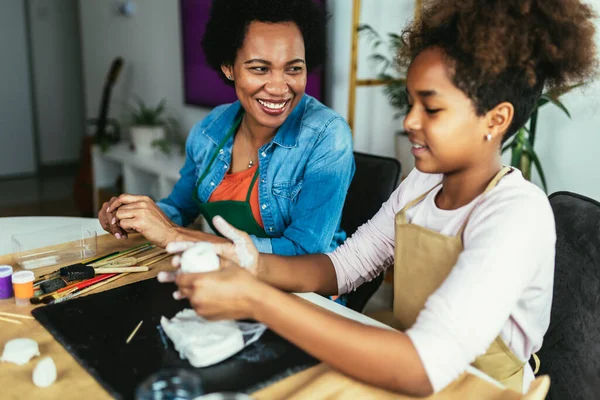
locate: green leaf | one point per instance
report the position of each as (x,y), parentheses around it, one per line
(560,105)
(533,156)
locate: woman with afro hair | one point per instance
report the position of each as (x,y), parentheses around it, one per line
(471,241)
(276,163)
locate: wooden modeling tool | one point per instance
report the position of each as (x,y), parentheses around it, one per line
(117,270)
(8,314)
(134,332)
(12,321)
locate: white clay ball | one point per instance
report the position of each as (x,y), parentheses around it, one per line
(200,258)
(20,351)
(44,373)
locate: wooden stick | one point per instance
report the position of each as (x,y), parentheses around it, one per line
(119,270)
(114,278)
(134,332)
(148,263)
(12,321)
(121,262)
(128,253)
(149,256)
(8,314)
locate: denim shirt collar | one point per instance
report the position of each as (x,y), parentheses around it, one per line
(286,136)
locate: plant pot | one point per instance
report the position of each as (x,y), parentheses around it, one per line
(143,136)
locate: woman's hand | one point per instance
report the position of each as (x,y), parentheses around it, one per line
(141,214)
(108,220)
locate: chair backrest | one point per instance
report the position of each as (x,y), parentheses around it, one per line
(570,353)
(374,181)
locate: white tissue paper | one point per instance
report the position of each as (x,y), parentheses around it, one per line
(200,258)
(20,351)
(204,343)
(44,373)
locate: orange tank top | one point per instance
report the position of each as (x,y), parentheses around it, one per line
(235,187)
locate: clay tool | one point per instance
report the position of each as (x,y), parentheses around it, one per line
(8,314)
(88,282)
(121,262)
(126,253)
(112,279)
(12,321)
(134,332)
(57,273)
(121,270)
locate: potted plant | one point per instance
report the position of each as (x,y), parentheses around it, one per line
(150,127)
(521,144)
(394,74)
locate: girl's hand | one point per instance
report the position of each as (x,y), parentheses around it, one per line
(229,293)
(239,249)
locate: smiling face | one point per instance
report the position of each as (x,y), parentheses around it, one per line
(269,72)
(446,133)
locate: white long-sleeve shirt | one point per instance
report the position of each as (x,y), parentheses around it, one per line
(501,284)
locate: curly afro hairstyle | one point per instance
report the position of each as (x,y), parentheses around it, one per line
(229,21)
(507,50)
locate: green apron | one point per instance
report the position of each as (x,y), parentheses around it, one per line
(237,213)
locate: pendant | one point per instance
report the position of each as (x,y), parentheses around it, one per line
(250,164)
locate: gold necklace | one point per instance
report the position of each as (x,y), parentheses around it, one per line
(251,162)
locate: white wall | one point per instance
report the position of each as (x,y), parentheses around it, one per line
(16,128)
(56,64)
(150,44)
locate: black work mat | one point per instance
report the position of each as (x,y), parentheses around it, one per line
(94,328)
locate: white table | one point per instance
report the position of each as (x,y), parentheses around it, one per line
(23,225)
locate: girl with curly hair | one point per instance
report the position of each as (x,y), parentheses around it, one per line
(276,163)
(471,241)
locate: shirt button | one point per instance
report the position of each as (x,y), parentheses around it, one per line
(263,154)
(221,151)
(225,166)
(271,229)
(263,180)
(264,206)
(212,184)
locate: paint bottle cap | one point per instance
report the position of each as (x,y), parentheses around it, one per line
(5,270)
(6,290)
(21,277)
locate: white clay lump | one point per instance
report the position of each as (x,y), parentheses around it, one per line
(203,342)
(44,373)
(199,258)
(20,351)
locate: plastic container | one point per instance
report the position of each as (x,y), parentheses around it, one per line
(6,290)
(171,384)
(23,286)
(66,244)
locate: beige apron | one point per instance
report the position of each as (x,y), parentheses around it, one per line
(423,260)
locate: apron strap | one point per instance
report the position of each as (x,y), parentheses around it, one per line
(252,184)
(536,360)
(402,213)
(216,152)
(501,174)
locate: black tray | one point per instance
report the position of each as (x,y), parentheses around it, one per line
(93,329)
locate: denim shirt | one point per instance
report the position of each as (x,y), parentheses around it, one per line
(304,175)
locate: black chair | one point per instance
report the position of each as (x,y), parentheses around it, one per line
(570,353)
(374,181)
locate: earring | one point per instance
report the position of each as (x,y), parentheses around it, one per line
(488,137)
(230,77)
